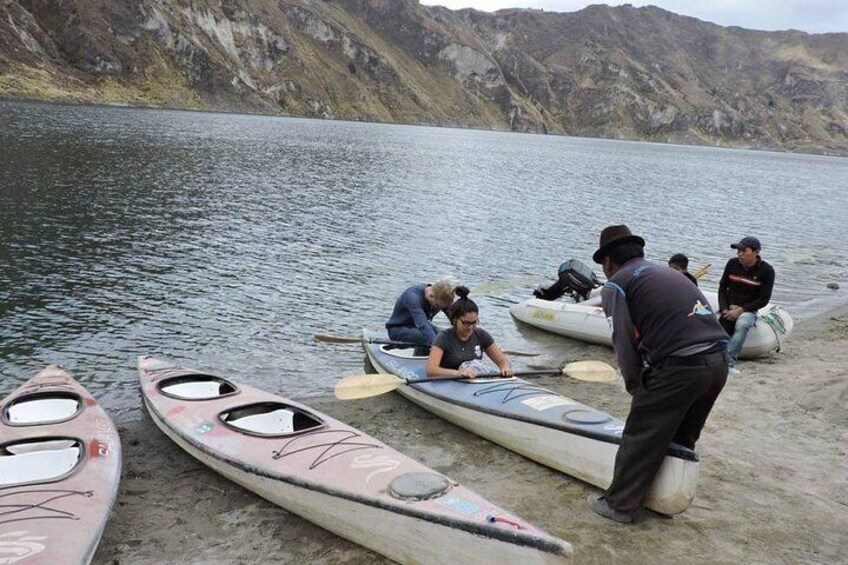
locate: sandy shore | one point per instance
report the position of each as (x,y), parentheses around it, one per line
(773,484)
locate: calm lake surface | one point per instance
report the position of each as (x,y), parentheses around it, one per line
(226,242)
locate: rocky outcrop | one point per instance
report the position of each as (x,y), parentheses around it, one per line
(626,73)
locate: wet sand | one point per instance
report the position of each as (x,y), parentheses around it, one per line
(773,484)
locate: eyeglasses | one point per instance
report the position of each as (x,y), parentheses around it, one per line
(468,323)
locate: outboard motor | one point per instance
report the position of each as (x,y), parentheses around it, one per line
(575,278)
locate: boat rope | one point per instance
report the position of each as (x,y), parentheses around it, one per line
(492,519)
(156,374)
(775,322)
(513,391)
(330,449)
(59,383)
(11,512)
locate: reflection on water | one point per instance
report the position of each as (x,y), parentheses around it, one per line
(227,241)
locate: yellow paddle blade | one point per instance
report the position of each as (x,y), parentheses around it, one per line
(365,386)
(701,271)
(594,371)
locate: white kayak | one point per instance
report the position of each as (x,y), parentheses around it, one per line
(536,422)
(585,321)
(334,475)
(60,466)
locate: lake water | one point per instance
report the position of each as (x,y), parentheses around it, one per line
(227,241)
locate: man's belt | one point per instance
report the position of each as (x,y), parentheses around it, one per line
(705,359)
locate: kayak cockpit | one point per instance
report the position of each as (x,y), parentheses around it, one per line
(42,408)
(271,419)
(402,352)
(197,387)
(39,461)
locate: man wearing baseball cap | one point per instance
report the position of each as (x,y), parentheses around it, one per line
(672,354)
(745,287)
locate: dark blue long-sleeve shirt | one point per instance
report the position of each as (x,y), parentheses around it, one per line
(413,310)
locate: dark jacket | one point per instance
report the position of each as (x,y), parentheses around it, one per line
(748,288)
(656,313)
(412,310)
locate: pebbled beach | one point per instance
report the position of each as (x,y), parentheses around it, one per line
(773,484)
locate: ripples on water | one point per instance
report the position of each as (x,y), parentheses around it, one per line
(226,241)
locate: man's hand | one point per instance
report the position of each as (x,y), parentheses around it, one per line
(732,313)
(467,372)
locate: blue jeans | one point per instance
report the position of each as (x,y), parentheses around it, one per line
(410,334)
(740,331)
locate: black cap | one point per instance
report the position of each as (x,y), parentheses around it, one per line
(747,242)
(679,259)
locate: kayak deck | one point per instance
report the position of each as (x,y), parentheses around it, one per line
(332,474)
(60,467)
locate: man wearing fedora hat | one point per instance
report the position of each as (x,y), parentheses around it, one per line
(744,288)
(672,354)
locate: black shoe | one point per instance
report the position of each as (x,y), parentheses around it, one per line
(600,505)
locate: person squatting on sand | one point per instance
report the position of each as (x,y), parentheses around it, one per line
(458,350)
(672,354)
(415,308)
(744,288)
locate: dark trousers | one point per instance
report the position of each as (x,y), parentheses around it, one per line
(410,334)
(671,405)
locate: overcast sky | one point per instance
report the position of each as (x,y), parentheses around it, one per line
(812,16)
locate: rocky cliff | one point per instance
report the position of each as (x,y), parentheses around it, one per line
(623,73)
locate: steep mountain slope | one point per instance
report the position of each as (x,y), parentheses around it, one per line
(632,73)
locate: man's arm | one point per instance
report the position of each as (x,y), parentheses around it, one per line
(614,303)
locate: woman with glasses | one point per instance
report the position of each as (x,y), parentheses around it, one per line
(458,350)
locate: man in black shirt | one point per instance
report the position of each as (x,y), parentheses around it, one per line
(745,287)
(680,262)
(672,354)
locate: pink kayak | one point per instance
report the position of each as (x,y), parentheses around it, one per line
(60,466)
(334,475)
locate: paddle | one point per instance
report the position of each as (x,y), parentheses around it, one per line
(700,272)
(366,386)
(507,300)
(340,339)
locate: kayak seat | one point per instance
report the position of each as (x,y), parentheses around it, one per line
(270,419)
(42,408)
(405,352)
(39,461)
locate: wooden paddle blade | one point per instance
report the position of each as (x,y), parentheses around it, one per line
(593,371)
(337,339)
(366,386)
(520,353)
(700,272)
